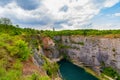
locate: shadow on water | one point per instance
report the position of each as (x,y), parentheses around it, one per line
(70,71)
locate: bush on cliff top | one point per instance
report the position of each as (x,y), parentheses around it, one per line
(84,32)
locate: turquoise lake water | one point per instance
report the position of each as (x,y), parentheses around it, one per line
(70,71)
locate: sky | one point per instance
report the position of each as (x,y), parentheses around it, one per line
(62,14)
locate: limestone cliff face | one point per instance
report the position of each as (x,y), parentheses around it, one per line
(49,52)
(94,52)
(49,48)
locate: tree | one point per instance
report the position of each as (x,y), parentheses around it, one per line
(17,26)
(53,29)
(5,21)
(84,32)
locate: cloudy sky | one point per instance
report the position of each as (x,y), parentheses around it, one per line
(63,14)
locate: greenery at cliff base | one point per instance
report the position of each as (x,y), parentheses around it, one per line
(109,71)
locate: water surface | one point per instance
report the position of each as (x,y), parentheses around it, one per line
(70,71)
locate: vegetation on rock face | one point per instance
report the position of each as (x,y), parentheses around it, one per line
(36,77)
(15,49)
(113,49)
(61,46)
(51,68)
(109,71)
(14,46)
(80,43)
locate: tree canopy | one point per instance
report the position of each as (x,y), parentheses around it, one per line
(5,21)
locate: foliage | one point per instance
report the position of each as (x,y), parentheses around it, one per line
(5,21)
(10,29)
(61,46)
(11,75)
(51,68)
(35,76)
(15,46)
(18,48)
(65,56)
(18,65)
(81,43)
(84,32)
(15,30)
(14,49)
(111,72)
(113,50)
(8,72)
(23,50)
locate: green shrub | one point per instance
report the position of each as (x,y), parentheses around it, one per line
(111,72)
(81,43)
(23,50)
(113,49)
(2,71)
(36,76)
(17,65)
(12,75)
(61,46)
(20,49)
(44,78)
(51,68)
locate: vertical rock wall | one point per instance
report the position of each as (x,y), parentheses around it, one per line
(94,52)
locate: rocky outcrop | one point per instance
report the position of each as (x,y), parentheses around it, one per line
(30,68)
(94,52)
(49,48)
(38,60)
(46,53)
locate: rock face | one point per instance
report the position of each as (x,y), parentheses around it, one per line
(38,60)
(94,52)
(49,48)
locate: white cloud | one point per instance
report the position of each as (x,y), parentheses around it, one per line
(78,14)
(117,14)
(17,14)
(79,11)
(106,26)
(109,3)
